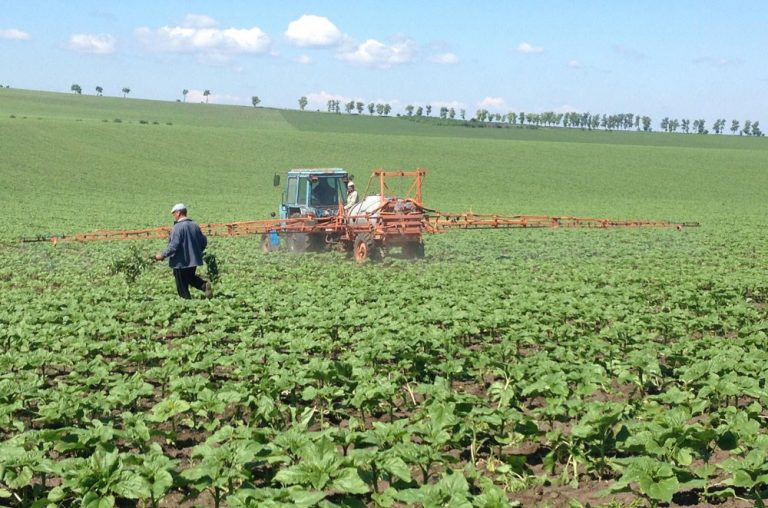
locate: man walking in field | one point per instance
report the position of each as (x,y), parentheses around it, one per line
(186,244)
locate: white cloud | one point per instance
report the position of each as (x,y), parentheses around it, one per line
(303,59)
(456,105)
(493,103)
(320,99)
(717,62)
(98,44)
(198,21)
(212,43)
(14,34)
(528,49)
(445,59)
(377,54)
(575,64)
(314,32)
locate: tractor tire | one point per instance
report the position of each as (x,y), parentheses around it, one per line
(305,242)
(297,242)
(413,250)
(266,243)
(365,248)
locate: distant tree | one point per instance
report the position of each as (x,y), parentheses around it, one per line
(646,123)
(302,102)
(512,117)
(349,106)
(126,91)
(451,113)
(387,109)
(409,110)
(429,109)
(255,100)
(664,124)
(420,111)
(734,126)
(756,129)
(521,118)
(747,128)
(380,109)
(360,107)
(207,93)
(443,112)
(99,90)
(686,125)
(371,108)
(184,93)
(76,88)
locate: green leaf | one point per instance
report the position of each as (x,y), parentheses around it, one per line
(397,467)
(684,456)
(662,490)
(93,500)
(348,481)
(56,494)
(161,482)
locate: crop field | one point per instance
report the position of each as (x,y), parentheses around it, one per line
(560,367)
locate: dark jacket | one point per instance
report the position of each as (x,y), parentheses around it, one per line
(185,245)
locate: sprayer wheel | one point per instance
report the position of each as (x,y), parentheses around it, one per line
(365,248)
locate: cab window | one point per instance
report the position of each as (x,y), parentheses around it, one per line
(303,184)
(291,191)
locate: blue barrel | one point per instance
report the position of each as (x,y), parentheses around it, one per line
(274,239)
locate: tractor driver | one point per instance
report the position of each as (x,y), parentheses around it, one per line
(351,196)
(323,194)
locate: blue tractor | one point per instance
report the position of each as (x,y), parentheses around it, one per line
(315,193)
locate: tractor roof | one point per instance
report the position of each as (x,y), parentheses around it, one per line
(318,172)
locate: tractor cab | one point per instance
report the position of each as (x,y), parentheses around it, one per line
(317,192)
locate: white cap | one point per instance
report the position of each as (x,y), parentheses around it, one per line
(177,207)
(351,184)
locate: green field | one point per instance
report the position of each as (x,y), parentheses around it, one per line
(540,367)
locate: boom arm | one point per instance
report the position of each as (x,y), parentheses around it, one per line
(395,220)
(439,221)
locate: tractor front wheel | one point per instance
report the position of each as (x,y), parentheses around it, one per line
(266,243)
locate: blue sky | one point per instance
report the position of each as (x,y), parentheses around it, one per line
(677,58)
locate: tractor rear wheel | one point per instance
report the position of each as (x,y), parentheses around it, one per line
(413,250)
(365,248)
(297,242)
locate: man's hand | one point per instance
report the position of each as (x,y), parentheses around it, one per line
(159,257)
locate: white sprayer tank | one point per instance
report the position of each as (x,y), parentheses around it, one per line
(366,211)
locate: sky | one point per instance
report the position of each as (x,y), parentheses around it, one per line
(694,59)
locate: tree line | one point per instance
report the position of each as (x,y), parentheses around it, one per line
(588,121)
(99,90)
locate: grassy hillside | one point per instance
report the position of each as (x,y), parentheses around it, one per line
(75,163)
